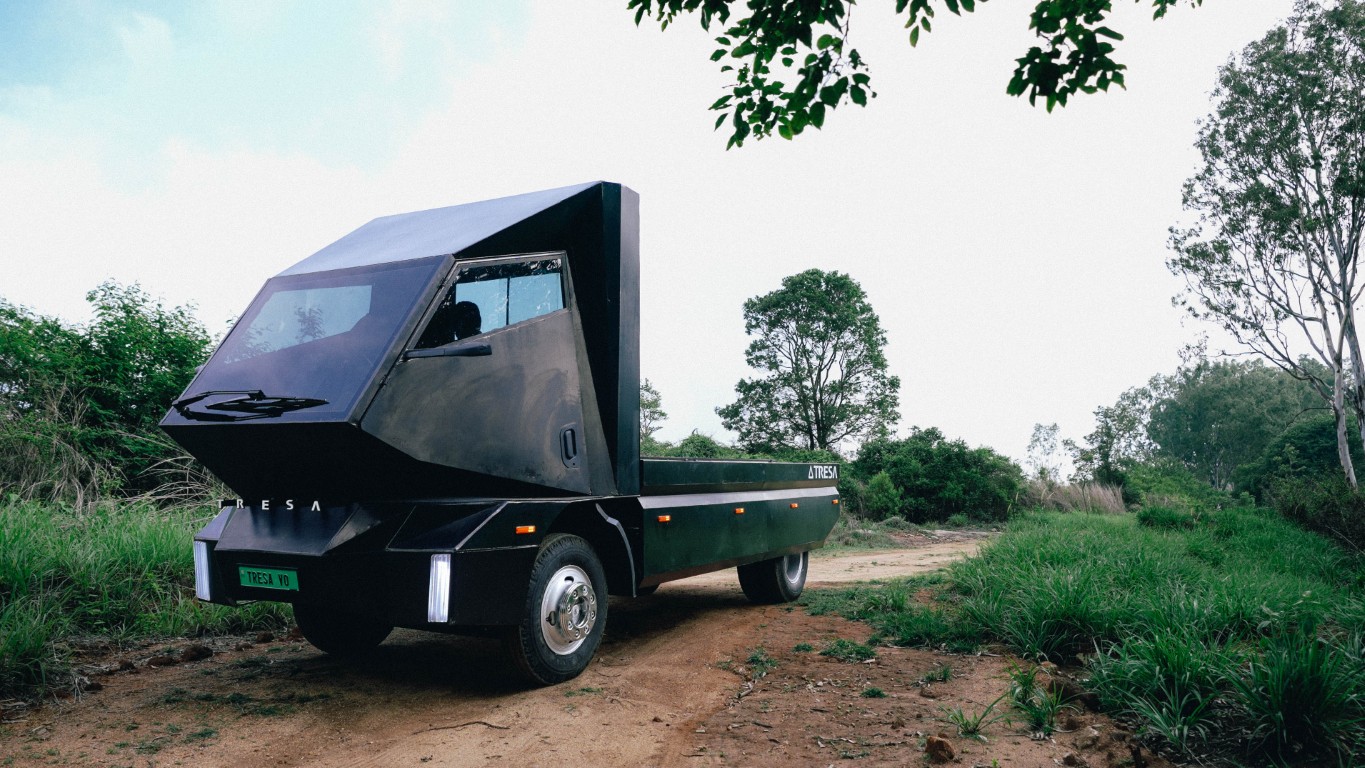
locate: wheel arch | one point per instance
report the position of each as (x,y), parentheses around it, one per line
(607,536)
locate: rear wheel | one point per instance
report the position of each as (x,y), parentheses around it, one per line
(334,630)
(565,612)
(779,580)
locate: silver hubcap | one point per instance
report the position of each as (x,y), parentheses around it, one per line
(568,610)
(793,566)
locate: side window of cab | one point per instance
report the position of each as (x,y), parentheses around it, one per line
(486,295)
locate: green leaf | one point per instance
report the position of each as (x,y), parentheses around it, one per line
(914,36)
(952,6)
(859,96)
(718,54)
(831,94)
(722,102)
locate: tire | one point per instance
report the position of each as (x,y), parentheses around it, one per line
(333,630)
(565,612)
(779,580)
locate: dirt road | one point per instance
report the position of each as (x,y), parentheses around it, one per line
(669,664)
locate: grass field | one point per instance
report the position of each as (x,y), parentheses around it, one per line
(120,572)
(1234,633)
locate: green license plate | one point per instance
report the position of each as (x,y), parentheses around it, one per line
(268,578)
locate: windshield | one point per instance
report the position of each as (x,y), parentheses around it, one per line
(315,337)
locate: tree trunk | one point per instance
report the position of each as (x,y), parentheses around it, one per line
(1343,442)
(1357,396)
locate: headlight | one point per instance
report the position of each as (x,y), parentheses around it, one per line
(201,570)
(438,590)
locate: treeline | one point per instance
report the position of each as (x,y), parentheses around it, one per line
(1237,427)
(79,403)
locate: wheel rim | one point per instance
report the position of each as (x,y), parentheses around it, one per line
(793,566)
(568,610)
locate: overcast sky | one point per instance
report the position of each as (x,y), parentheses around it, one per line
(1016,258)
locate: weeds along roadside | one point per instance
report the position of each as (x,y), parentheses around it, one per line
(1226,634)
(120,571)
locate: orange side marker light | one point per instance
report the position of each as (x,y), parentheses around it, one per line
(526,529)
(665,518)
(739,510)
(795,505)
(836,501)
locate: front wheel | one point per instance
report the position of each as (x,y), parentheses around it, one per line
(335,631)
(565,612)
(779,580)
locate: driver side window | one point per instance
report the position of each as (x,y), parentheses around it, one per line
(487,296)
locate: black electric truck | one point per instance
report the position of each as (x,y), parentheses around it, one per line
(433,423)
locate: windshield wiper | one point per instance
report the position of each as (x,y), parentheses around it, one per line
(254,404)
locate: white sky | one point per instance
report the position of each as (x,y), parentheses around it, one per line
(1016,258)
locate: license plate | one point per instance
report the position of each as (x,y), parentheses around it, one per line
(268,578)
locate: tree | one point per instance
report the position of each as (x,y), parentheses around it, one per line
(820,345)
(651,411)
(1220,415)
(1273,256)
(1042,453)
(1120,437)
(793,61)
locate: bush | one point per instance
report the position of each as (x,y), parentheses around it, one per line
(1306,448)
(937,477)
(80,404)
(1321,502)
(882,498)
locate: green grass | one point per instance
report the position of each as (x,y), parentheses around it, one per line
(760,663)
(971,724)
(1202,628)
(120,571)
(849,651)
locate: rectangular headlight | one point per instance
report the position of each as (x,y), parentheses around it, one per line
(438,590)
(201,570)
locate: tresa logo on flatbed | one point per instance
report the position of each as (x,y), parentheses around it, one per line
(823,472)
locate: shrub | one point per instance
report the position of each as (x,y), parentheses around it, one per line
(1308,448)
(1321,502)
(81,403)
(882,498)
(938,477)
(1158,516)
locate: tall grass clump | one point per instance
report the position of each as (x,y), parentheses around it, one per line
(116,571)
(1075,497)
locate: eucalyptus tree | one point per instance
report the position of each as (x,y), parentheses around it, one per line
(792,60)
(1280,199)
(820,348)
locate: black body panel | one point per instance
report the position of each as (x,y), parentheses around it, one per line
(552,409)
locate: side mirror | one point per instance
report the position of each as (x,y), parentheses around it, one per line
(468,349)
